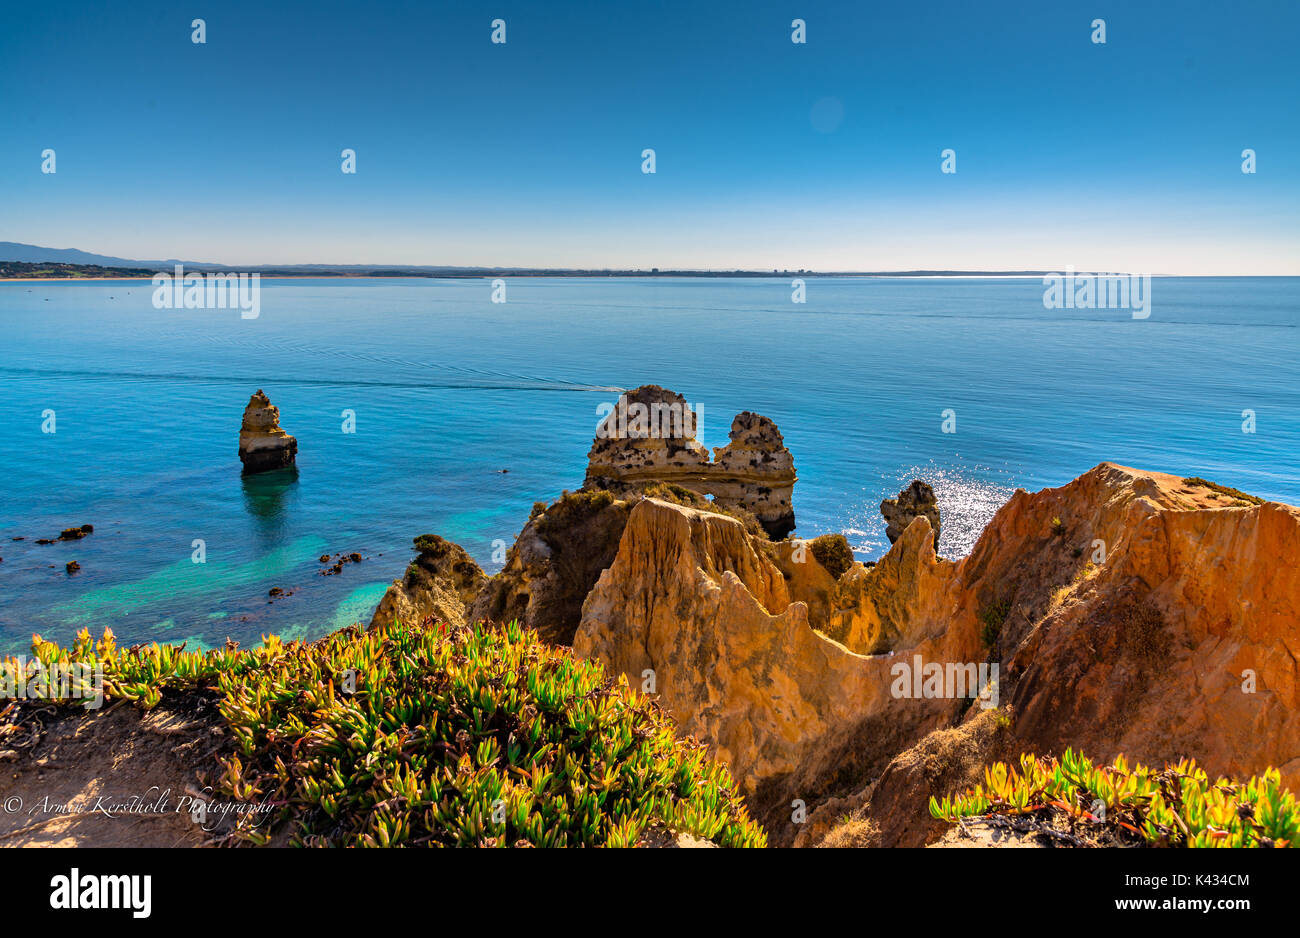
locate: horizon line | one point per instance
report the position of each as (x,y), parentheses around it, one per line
(381,270)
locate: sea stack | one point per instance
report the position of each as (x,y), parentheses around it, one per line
(917,499)
(649,438)
(263,446)
(755,471)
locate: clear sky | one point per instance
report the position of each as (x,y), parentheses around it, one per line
(825,155)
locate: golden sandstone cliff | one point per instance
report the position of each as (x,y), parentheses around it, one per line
(1125,611)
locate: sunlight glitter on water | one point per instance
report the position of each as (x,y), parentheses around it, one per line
(966,505)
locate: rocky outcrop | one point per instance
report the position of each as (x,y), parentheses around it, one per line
(440,583)
(1126,611)
(554,563)
(886,607)
(263,446)
(1177,630)
(893,808)
(649,439)
(649,436)
(917,500)
(755,471)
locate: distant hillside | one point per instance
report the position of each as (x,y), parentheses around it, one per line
(34,254)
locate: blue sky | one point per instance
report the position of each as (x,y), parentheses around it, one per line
(769,154)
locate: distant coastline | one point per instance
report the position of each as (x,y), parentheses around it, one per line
(18,272)
(29,271)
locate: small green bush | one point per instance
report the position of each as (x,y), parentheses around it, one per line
(1224,490)
(680,495)
(571,508)
(992,617)
(832,551)
(677,494)
(141,673)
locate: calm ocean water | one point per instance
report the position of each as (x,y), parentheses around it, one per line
(449,388)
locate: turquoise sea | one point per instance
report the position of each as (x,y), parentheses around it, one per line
(449,388)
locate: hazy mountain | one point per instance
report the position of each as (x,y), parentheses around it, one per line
(34,254)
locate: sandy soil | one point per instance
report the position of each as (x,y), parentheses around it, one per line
(113,779)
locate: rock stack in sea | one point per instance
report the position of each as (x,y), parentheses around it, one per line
(649,438)
(915,500)
(756,472)
(263,446)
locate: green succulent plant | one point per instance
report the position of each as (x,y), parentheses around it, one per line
(1175,806)
(420,735)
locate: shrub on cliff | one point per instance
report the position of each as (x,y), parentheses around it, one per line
(1227,491)
(418,735)
(570,509)
(438,555)
(832,551)
(992,617)
(1176,806)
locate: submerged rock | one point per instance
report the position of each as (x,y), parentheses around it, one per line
(263,446)
(917,500)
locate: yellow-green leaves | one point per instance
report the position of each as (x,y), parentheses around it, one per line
(420,735)
(474,737)
(1176,806)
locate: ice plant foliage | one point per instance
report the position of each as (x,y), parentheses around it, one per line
(140,673)
(480,736)
(1176,806)
(419,735)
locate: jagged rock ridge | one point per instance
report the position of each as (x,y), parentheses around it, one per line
(1182,641)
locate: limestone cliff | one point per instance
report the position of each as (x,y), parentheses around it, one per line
(554,563)
(1127,611)
(263,446)
(736,660)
